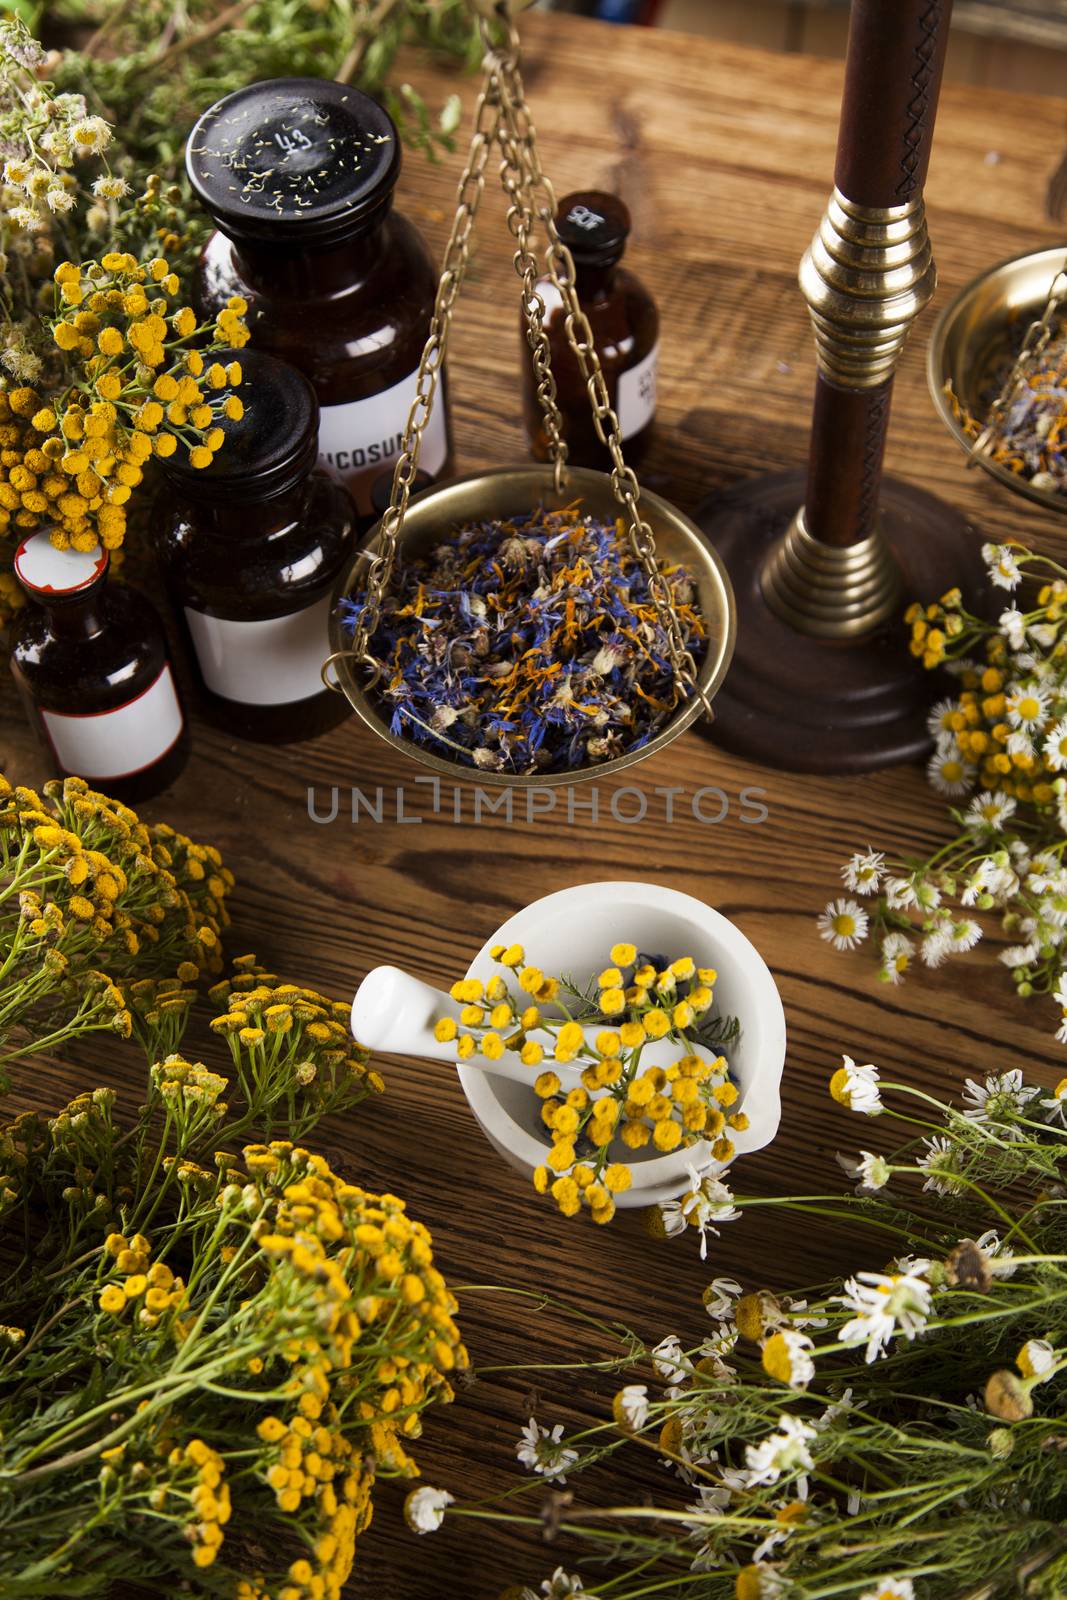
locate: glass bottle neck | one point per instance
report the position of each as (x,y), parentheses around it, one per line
(76,619)
(594,282)
(306,274)
(252,519)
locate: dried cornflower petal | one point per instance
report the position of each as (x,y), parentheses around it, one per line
(530,645)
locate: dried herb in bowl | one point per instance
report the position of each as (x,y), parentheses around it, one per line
(1030,433)
(529,645)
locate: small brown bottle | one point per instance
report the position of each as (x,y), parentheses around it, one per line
(89,659)
(299,174)
(250,549)
(622,314)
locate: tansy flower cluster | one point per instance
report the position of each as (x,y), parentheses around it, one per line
(587,1057)
(142,382)
(235,1351)
(882,1436)
(93,897)
(1000,752)
(291,1048)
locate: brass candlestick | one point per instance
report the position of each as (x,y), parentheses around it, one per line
(824,562)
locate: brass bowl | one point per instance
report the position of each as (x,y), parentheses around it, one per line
(516,491)
(972,338)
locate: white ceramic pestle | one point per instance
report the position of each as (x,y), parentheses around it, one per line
(394,1014)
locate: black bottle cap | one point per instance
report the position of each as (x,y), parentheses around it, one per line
(270,448)
(594,226)
(56,577)
(293,159)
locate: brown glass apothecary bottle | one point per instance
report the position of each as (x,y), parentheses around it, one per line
(250,548)
(622,314)
(89,659)
(298,174)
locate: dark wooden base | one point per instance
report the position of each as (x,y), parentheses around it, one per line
(811,705)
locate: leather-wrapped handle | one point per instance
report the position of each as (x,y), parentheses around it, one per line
(896,57)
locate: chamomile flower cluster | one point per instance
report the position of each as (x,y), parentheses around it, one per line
(587,1052)
(1000,753)
(50,143)
(885,1435)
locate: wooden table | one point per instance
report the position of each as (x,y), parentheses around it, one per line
(724,156)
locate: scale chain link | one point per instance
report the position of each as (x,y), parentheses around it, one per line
(457,254)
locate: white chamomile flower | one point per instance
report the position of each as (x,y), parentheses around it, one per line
(998,1101)
(562,1585)
(891,1589)
(1020,743)
(782,1454)
(992,876)
(1054,748)
(857,1087)
(988,812)
(949,773)
(1026,706)
(542,1450)
(630,1407)
(670,1361)
(834,1411)
(1003,565)
(1056,1103)
(963,935)
(1002,1263)
(1036,1359)
(937,944)
(900,894)
(787,1357)
(897,951)
(872,1171)
(927,894)
(110,187)
(719,1297)
(940,1161)
(1019,955)
(707,1200)
(885,1304)
(940,721)
(90,136)
(844,924)
(862,873)
(424,1509)
(1012,625)
(59,199)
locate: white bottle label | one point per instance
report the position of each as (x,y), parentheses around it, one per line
(118,743)
(270,663)
(635,403)
(362,438)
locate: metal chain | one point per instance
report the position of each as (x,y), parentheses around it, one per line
(520,221)
(1037,337)
(502,115)
(518,138)
(457,254)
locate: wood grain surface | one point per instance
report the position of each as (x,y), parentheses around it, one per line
(724,156)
